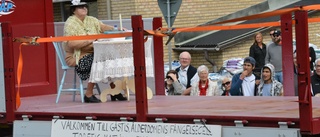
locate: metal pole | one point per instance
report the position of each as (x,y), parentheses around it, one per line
(302,46)
(139,68)
(169,26)
(62,12)
(109,10)
(287,66)
(158,58)
(9,73)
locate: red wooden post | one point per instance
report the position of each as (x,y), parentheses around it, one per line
(302,46)
(287,55)
(158,58)
(139,68)
(9,73)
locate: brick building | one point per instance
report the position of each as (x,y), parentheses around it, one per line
(191,13)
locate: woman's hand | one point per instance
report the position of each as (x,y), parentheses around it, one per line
(173,76)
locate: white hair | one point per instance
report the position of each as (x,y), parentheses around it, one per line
(229,77)
(202,68)
(186,52)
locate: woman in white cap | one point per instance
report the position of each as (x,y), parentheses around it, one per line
(79,53)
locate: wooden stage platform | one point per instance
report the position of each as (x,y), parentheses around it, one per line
(223,110)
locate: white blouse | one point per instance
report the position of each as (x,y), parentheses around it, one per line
(212,89)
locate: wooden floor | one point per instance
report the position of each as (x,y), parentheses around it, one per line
(273,107)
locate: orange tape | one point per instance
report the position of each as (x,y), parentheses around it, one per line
(240,26)
(311,7)
(313,20)
(86,37)
(231,27)
(272,13)
(261,15)
(19,73)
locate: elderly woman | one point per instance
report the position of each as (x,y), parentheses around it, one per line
(204,87)
(79,53)
(225,85)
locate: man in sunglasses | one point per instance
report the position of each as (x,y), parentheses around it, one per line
(274,55)
(271,36)
(244,84)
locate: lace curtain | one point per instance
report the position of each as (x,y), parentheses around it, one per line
(114,59)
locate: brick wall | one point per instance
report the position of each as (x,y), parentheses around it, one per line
(56,12)
(314,28)
(192,13)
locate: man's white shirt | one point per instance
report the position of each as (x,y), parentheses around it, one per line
(183,77)
(248,85)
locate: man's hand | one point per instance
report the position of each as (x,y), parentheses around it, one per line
(244,74)
(186,92)
(257,82)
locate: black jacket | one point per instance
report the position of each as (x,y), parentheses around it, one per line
(190,73)
(259,54)
(315,82)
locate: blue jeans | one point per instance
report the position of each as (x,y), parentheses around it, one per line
(279,76)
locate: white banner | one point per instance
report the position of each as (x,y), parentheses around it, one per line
(85,128)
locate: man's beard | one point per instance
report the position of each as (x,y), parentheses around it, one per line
(277,41)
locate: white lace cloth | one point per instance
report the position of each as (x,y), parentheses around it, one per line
(114,59)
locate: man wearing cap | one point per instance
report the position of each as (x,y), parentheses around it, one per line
(243,84)
(274,55)
(79,53)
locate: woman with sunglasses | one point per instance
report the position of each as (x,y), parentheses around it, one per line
(172,84)
(226,85)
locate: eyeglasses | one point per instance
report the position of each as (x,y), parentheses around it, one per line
(227,83)
(184,59)
(271,34)
(276,35)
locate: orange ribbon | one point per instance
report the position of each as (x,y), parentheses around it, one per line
(85,37)
(272,13)
(19,73)
(240,26)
